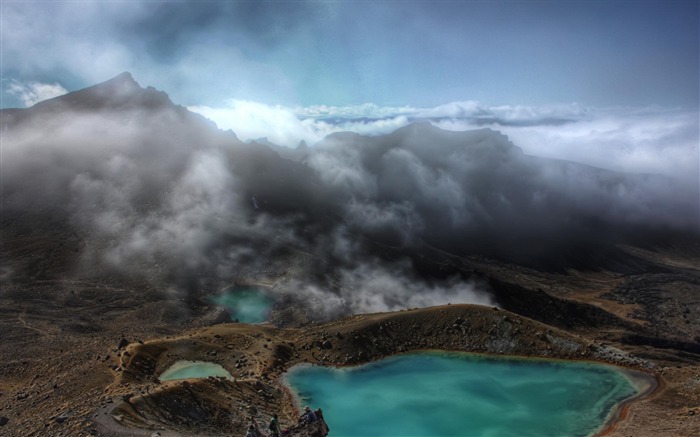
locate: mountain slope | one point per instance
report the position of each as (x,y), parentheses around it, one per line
(123,213)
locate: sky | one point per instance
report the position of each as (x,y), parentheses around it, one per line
(390,53)
(613,84)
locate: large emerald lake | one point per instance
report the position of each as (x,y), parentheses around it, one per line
(453,394)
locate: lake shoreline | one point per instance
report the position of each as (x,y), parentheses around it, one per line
(259,355)
(644,382)
(620,413)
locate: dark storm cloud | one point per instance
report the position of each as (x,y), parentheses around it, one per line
(474,192)
(169,29)
(200,51)
(342,53)
(157,191)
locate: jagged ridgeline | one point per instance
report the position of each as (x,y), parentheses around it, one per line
(131,183)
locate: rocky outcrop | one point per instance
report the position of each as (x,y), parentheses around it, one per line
(315,429)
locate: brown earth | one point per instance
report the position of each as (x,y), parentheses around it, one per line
(63,372)
(258,355)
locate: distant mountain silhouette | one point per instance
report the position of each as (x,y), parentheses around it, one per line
(120,93)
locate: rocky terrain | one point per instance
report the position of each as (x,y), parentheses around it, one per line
(122,214)
(58,377)
(261,355)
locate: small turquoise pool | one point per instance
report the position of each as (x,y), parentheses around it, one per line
(453,394)
(247,305)
(194,369)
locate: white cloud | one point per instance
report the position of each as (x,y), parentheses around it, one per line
(252,120)
(647,140)
(160,207)
(652,140)
(366,110)
(31,93)
(284,126)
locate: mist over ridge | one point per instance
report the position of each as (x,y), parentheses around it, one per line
(156,190)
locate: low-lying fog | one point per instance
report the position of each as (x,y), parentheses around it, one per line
(157,190)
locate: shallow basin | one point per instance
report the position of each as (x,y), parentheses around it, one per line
(247,305)
(194,369)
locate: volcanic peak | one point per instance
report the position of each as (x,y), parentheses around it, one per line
(119,93)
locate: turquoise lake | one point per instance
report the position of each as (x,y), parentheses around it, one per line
(453,394)
(194,369)
(248,305)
